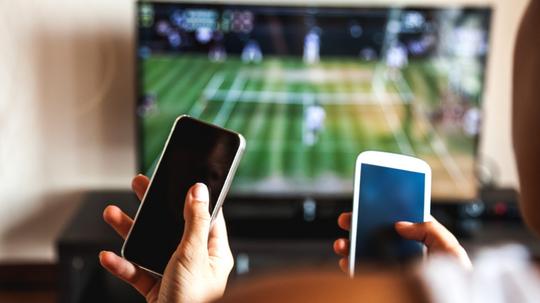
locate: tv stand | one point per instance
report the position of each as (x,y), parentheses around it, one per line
(264,237)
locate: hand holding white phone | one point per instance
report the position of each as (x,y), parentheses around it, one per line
(387,188)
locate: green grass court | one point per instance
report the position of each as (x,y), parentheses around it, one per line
(267,103)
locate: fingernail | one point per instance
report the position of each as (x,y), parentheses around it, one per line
(404,223)
(200,192)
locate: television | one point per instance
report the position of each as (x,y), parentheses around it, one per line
(312,86)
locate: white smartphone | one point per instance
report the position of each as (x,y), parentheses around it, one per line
(194,152)
(387,188)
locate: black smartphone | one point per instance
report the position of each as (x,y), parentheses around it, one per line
(194,152)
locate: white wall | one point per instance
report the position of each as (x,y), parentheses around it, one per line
(66,98)
(65,113)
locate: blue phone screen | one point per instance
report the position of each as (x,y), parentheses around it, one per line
(387,195)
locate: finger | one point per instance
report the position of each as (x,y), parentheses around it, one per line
(219,228)
(344,265)
(139,184)
(341,247)
(118,220)
(344,221)
(411,231)
(218,243)
(436,237)
(141,280)
(197,217)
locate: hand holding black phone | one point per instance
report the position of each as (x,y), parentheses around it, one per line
(195,152)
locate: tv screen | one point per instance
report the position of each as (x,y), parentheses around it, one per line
(310,87)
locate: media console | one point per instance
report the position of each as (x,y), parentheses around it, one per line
(283,236)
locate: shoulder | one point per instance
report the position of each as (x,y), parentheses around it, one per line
(496,273)
(320,286)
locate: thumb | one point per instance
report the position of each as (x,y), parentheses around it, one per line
(432,233)
(197,218)
(411,231)
(436,237)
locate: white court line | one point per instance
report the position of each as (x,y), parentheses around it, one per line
(232,96)
(347,144)
(322,145)
(380,91)
(348,98)
(404,90)
(255,144)
(256,125)
(277,133)
(437,144)
(390,116)
(195,110)
(313,75)
(209,91)
(214,85)
(307,98)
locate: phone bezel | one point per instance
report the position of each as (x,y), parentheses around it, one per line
(389,160)
(222,194)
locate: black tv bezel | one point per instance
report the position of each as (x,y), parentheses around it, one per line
(300,197)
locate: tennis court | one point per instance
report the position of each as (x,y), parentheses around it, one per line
(364,107)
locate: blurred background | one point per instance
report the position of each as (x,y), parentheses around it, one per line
(71,131)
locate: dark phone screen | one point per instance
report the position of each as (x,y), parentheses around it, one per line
(196,152)
(387,195)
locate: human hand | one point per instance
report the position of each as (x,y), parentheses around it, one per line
(432,233)
(199,268)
